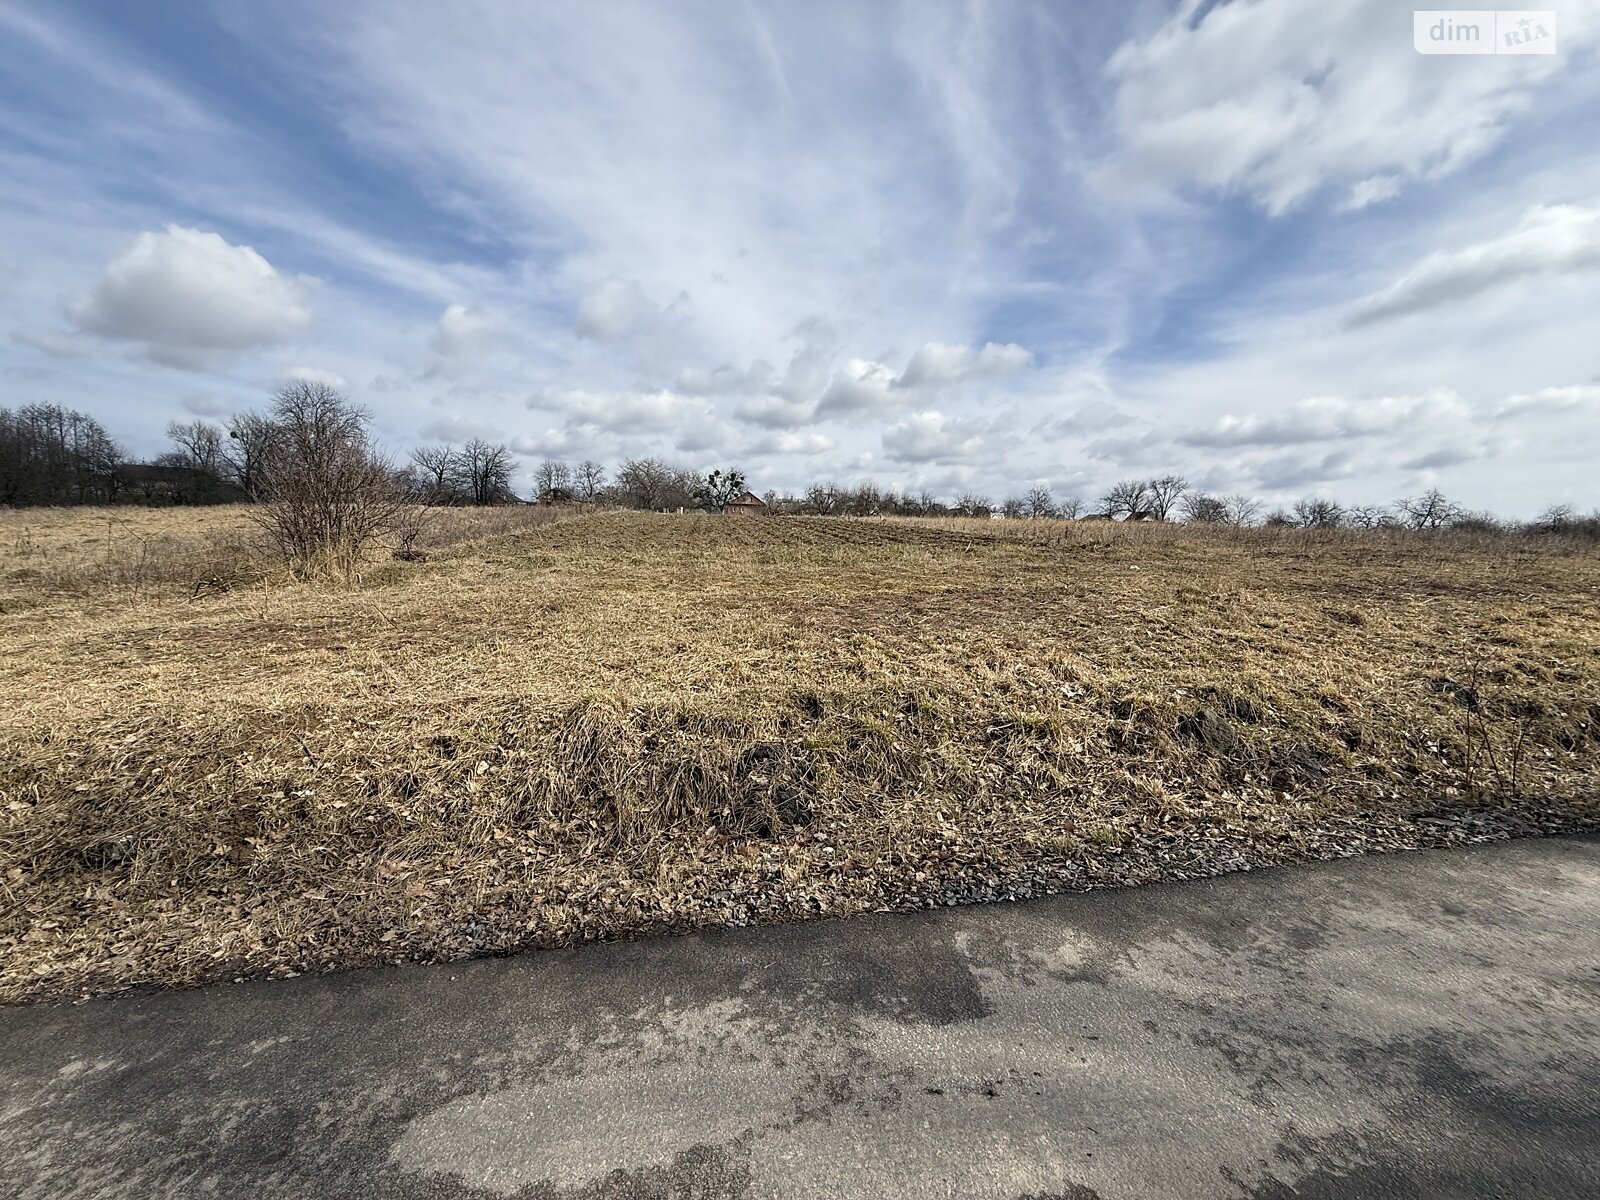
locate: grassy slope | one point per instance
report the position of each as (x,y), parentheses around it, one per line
(630,722)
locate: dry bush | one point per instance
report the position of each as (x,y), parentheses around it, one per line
(626,722)
(327,496)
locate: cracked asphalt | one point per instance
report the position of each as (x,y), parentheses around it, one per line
(1423,1024)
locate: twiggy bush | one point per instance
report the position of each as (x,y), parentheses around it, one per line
(327,493)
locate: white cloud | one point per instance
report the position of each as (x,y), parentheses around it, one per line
(462,331)
(1275,101)
(192,299)
(1329,418)
(934,437)
(937,363)
(860,386)
(792,443)
(1549,240)
(1550,401)
(315,375)
(611,309)
(623,412)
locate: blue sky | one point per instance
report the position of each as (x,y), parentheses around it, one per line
(953,246)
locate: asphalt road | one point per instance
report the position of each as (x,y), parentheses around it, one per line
(1419,1024)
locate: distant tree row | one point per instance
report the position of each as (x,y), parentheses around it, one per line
(52,455)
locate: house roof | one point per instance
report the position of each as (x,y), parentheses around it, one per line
(748,498)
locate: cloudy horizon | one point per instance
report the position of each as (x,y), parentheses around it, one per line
(953,247)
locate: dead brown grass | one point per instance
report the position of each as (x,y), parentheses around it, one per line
(629,722)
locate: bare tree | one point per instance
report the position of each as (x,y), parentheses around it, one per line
(327,493)
(865,500)
(972,504)
(1039,502)
(650,483)
(436,470)
(1431,510)
(1242,510)
(55,455)
(482,472)
(551,475)
(1164,494)
(1368,516)
(250,441)
(822,499)
(1014,507)
(1318,513)
(1125,498)
(1201,509)
(590,478)
(1069,508)
(199,445)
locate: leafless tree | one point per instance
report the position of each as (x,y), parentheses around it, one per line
(822,499)
(1039,502)
(590,478)
(1069,508)
(1199,508)
(199,446)
(972,504)
(1242,510)
(483,472)
(1431,510)
(1014,507)
(1368,516)
(250,441)
(650,483)
(328,494)
(435,469)
(864,500)
(1125,498)
(550,475)
(1318,513)
(55,455)
(1164,494)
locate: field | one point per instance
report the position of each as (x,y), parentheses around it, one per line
(554,730)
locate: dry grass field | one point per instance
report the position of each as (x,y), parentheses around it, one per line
(623,723)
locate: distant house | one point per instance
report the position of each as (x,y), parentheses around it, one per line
(1097,517)
(745,504)
(1143,514)
(558,497)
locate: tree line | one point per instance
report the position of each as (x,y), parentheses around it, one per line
(51,455)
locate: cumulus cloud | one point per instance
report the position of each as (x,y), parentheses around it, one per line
(1549,240)
(611,309)
(937,363)
(862,385)
(462,332)
(1277,101)
(1329,418)
(622,412)
(934,437)
(192,300)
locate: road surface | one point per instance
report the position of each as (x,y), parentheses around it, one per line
(1414,1024)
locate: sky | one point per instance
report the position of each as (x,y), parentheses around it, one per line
(946,246)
